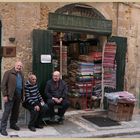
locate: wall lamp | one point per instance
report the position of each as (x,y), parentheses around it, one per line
(12,39)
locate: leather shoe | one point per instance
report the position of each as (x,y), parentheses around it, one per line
(53,120)
(4,132)
(15,127)
(60,120)
(39,126)
(32,128)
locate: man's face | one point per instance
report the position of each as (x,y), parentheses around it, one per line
(56,77)
(18,66)
(33,79)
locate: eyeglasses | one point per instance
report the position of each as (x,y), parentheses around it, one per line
(34,79)
(55,75)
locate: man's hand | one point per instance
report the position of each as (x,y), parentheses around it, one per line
(60,100)
(5,99)
(55,99)
(37,108)
(23,99)
(42,103)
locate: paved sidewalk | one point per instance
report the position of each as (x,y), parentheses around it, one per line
(75,126)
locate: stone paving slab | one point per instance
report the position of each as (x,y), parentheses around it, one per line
(70,127)
(25,132)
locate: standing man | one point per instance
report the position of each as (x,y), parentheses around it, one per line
(12,90)
(56,93)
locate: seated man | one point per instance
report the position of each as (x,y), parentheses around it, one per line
(56,94)
(34,103)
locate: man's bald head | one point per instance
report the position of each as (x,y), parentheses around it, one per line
(18,66)
(56,76)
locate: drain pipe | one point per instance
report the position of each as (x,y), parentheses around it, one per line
(61,36)
(102,97)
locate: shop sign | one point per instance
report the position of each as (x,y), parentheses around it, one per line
(8,51)
(45,58)
(78,23)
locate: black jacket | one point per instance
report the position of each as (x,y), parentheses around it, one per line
(52,91)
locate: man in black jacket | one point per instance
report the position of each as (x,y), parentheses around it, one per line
(56,93)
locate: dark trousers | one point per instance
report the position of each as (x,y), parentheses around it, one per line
(36,116)
(61,111)
(12,106)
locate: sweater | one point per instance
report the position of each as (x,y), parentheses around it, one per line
(32,95)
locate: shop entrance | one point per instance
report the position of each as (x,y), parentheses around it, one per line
(70,50)
(78,56)
(76,45)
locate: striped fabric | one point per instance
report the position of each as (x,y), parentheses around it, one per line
(109,65)
(32,95)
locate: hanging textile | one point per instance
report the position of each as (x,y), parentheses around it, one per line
(109,66)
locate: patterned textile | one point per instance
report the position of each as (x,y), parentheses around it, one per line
(109,65)
(96,55)
(85,58)
(121,97)
(84,88)
(86,75)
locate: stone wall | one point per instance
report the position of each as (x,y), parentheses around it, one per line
(18,20)
(128,26)
(134,49)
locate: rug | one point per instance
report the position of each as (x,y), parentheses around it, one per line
(101,121)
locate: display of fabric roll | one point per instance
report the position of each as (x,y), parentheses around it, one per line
(85,72)
(84,88)
(96,56)
(97,76)
(85,58)
(81,75)
(86,76)
(109,65)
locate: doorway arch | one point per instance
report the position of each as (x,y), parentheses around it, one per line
(80,9)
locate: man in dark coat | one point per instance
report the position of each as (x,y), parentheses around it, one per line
(56,93)
(12,90)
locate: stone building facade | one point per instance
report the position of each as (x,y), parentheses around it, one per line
(19,19)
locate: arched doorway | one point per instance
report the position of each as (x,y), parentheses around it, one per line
(81,34)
